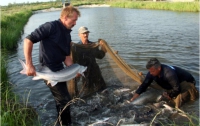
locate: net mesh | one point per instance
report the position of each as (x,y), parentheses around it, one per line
(109,70)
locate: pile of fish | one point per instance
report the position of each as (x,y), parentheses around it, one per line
(110,107)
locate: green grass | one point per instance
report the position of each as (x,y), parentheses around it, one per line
(173,6)
(13,112)
(12,26)
(13,19)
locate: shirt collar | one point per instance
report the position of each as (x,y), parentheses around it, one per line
(63,27)
(162,71)
(80,42)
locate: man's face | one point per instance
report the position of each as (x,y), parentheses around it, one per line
(70,22)
(155,71)
(84,36)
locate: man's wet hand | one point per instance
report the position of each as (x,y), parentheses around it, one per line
(78,75)
(128,101)
(30,70)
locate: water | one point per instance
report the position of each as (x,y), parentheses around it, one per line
(172,37)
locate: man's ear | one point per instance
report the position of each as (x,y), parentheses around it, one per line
(65,18)
(159,68)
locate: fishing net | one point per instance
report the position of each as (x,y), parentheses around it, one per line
(102,69)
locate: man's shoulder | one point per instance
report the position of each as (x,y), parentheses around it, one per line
(165,67)
(168,71)
(50,24)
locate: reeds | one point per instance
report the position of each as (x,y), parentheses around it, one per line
(13,113)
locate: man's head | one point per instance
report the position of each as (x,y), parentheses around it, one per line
(83,34)
(154,66)
(69,16)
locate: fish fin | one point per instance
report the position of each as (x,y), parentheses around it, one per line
(36,78)
(83,75)
(85,68)
(53,83)
(82,71)
(24,67)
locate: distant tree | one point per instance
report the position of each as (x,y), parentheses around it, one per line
(9,4)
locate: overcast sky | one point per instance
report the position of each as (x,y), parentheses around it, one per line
(6,2)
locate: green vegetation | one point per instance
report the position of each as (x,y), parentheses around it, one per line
(11,27)
(13,19)
(174,6)
(13,113)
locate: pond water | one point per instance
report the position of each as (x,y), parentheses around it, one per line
(137,34)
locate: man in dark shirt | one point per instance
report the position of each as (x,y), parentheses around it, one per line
(86,56)
(55,40)
(178,83)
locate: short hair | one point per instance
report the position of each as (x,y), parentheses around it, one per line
(153,62)
(68,11)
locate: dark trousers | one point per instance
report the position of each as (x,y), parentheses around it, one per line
(62,97)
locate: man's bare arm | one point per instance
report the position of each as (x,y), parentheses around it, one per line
(28,47)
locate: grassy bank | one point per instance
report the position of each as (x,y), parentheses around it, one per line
(173,6)
(13,112)
(13,19)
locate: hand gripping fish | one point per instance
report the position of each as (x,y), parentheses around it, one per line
(53,78)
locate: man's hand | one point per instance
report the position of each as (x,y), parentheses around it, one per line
(30,70)
(101,43)
(134,97)
(78,75)
(165,94)
(102,46)
(129,101)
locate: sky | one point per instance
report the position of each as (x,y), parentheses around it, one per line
(6,2)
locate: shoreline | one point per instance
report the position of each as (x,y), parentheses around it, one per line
(94,5)
(58,9)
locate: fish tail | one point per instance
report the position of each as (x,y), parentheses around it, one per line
(83,75)
(82,72)
(24,67)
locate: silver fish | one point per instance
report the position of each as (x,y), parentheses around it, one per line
(149,96)
(53,78)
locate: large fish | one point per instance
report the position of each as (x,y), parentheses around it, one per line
(149,96)
(53,78)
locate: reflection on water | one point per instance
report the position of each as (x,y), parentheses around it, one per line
(137,34)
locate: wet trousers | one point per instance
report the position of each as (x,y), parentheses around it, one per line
(62,97)
(188,93)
